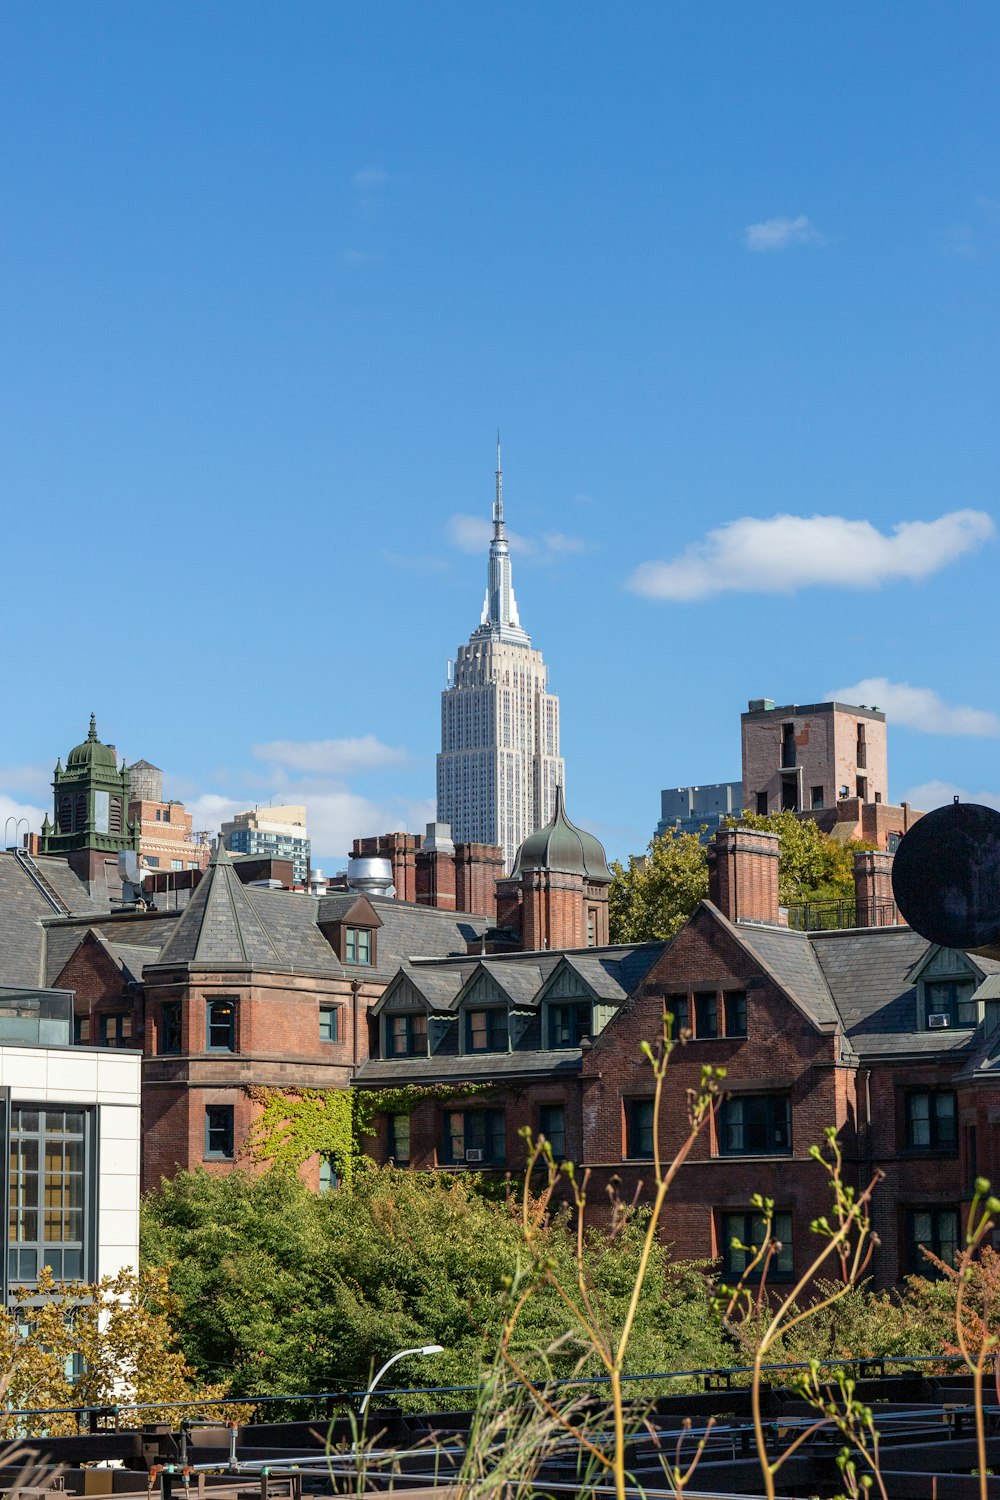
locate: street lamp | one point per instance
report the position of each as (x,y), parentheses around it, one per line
(424,1349)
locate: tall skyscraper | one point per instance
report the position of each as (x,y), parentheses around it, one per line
(499,764)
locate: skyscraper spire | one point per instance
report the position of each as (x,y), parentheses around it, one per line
(500,607)
(498,502)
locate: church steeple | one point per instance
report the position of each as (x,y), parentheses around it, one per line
(500,617)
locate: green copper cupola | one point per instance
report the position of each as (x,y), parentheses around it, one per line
(90,806)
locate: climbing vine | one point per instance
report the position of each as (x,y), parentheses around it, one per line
(295,1124)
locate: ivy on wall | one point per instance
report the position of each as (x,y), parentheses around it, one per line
(295,1124)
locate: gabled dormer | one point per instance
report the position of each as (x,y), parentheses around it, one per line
(483,1015)
(946,980)
(350,925)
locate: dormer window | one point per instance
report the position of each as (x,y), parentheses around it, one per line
(486,1031)
(569,1024)
(406,1034)
(357,945)
(949,1002)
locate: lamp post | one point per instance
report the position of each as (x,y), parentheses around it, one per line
(423,1349)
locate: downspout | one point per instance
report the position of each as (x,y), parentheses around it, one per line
(355,988)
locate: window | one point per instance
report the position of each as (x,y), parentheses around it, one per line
(329,1181)
(639,1128)
(152,860)
(220,1025)
(177,864)
(159,814)
(552,1123)
(816,797)
(486,1031)
(358,945)
(933,1229)
(475,1136)
(762,803)
(398,1139)
(219,1132)
(329,1023)
(748,1230)
(735,1005)
(406,1034)
(591,927)
(81,1030)
(569,1024)
(930,1121)
(787,746)
(706,1016)
(755,1125)
(676,1008)
(951,998)
(50,1219)
(170,1026)
(892,842)
(116,1030)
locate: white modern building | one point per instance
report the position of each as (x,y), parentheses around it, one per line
(279,832)
(499,763)
(70,1123)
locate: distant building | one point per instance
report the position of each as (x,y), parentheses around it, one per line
(166,841)
(804,758)
(276,831)
(699,809)
(499,764)
(825,761)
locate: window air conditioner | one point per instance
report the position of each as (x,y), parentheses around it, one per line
(938,1019)
(476,1154)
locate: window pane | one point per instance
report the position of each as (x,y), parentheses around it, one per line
(552,1120)
(328,1027)
(677,1012)
(736,1014)
(399,1138)
(920,1120)
(706,1017)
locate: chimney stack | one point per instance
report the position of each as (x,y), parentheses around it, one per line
(743,874)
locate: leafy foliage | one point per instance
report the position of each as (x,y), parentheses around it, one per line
(117,1335)
(653,896)
(287,1291)
(812,865)
(655,893)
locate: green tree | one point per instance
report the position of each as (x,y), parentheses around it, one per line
(283,1290)
(655,893)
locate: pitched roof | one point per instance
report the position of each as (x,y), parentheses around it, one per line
(221,924)
(788,957)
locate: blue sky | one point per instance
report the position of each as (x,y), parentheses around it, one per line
(273,275)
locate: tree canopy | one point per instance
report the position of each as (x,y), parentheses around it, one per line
(655,893)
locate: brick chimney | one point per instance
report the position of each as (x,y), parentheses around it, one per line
(435,868)
(400,850)
(743,874)
(478,867)
(873,889)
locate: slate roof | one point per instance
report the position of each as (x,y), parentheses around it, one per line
(221,924)
(869,976)
(789,957)
(490,1066)
(411,931)
(615,973)
(132,958)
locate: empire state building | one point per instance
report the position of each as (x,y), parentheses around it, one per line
(499,763)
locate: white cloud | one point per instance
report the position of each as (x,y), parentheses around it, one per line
(931,794)
(558,542)
(330,757)
(919,708)
(370,177)
(785,553)
(779,234)
(11,808)
(36,781)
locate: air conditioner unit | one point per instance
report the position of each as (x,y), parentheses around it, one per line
(474,1155)
(938,1019)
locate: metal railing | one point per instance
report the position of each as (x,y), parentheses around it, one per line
(831,916)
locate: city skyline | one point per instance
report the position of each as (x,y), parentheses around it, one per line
(726,281)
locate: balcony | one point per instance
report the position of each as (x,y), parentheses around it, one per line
(35,1018)
(833,916)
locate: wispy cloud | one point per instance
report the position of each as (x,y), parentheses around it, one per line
(330,757)
(781,234)
(931,794)
(472,534)
(786,553)
(370,177)
(919,708)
